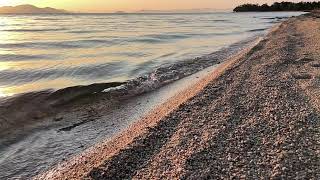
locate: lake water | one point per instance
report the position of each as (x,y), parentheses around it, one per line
(39,52)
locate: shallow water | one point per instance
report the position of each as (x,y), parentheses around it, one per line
(40,52)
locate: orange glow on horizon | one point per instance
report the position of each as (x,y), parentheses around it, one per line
(132,5)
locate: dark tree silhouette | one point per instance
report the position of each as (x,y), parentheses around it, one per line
(282,6)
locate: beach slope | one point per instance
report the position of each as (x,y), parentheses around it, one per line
(258,118)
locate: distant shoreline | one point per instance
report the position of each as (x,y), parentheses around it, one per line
(278,7)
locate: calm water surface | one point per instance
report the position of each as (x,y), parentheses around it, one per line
(40,52)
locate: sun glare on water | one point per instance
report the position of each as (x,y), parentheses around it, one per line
(2,94)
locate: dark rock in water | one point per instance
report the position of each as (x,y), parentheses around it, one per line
(257,30)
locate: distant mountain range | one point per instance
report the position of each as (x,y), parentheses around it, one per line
(30,9)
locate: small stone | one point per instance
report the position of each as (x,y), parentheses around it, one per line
(302,76)
(315,65)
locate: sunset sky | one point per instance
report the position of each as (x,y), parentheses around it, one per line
(132,5)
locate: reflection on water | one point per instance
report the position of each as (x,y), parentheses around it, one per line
(3,93)
(56,51)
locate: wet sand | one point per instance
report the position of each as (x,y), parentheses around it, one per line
(256,117)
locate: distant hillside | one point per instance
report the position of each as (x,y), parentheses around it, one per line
(29,9)
(283,6)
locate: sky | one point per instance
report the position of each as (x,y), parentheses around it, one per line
(133,5)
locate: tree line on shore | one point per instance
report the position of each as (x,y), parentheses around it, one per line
(278,6)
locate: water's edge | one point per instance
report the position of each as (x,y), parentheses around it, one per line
(208,75)
(143,93)
(140,92)
(36,105)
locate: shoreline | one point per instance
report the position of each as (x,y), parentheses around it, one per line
(81,124)
(75,125)
(79,165)
(192,134)
(44,104)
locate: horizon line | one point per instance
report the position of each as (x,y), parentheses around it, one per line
(196,10)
